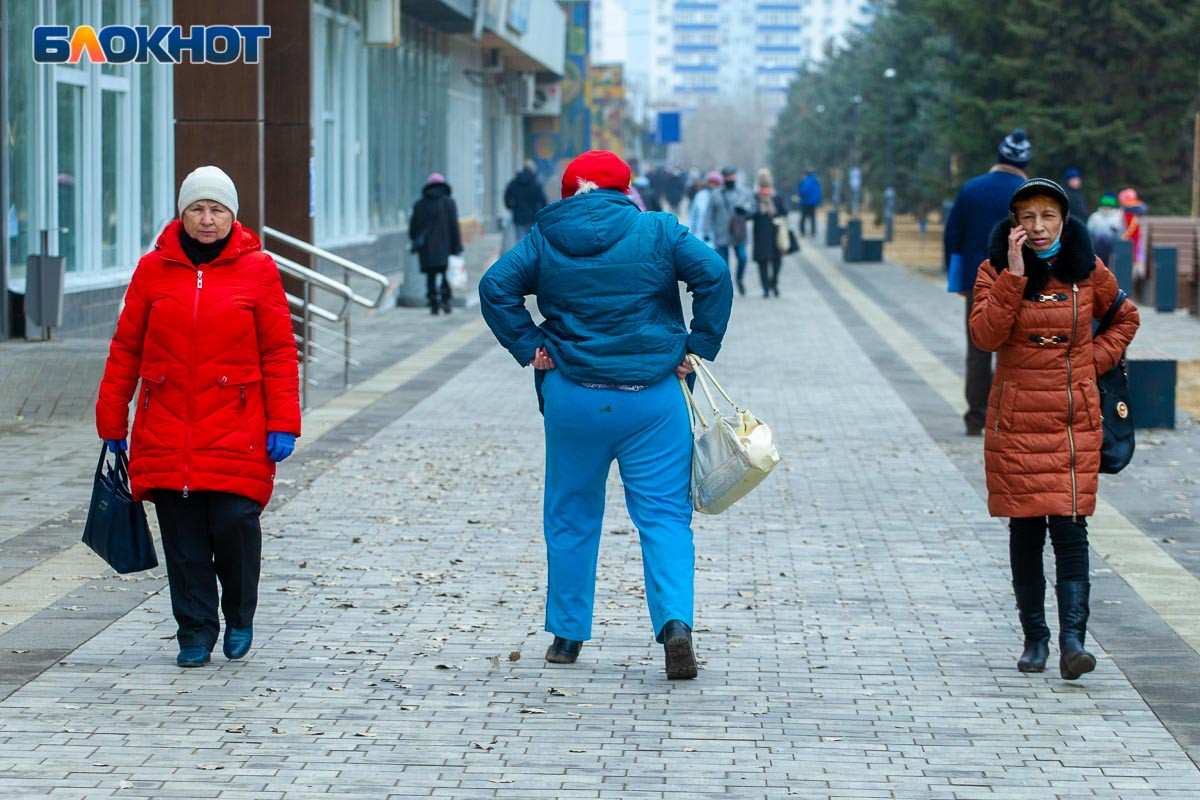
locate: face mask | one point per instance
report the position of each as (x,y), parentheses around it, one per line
(1052,250)
(730,184)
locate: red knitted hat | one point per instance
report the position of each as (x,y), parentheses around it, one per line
(595,169)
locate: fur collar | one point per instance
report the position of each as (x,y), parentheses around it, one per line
(1074,263)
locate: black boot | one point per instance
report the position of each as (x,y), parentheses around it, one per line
(1031,610)
(681,657)
(1073,660)
(563,651)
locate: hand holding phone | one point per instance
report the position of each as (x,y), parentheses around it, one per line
(1016,259)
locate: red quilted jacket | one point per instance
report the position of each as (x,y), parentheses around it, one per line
(214,350)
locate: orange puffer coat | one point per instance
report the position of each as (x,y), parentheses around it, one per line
(214,350)
(1043,435)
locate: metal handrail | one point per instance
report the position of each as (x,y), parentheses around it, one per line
(311,276)
(345,263)
(308,310)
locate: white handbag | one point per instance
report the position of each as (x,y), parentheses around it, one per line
(456,272)
(731,454)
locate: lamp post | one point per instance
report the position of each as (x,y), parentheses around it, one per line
(889,193)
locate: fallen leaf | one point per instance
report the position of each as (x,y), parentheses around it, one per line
(500,780)
(277,730)
(561,692)
(236,729)
(210,766)
(575,750)
(515,655)
(533,711)
(482,746)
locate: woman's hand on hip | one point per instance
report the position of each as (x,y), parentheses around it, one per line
(1016,260)
(542,360)
(686,368)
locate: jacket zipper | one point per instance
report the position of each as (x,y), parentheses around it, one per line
(187,440)
(1000,406)
(1071,402)
(146,400)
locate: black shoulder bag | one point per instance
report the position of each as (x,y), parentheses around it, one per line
(116,527)
(1117,450)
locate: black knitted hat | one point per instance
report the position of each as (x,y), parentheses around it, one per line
(1015,149)
(1043,187)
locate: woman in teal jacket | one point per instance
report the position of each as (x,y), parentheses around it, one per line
(606,277)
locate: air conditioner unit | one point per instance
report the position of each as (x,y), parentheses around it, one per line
(542,99)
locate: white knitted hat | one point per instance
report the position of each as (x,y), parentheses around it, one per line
(208,183)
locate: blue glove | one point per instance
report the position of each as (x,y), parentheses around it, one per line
(116,444)
(280,445)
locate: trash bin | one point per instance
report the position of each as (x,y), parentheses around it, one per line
(44,280)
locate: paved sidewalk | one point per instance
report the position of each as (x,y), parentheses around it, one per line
(853,613)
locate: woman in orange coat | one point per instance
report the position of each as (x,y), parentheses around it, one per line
(1035,299)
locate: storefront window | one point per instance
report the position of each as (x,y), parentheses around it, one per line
(90,146)
(339,127)
(22,141)
(68,180)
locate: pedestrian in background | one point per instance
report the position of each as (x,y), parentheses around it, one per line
(740,201)
(1106,225)
(206,327)
(1074,187)
(1035,300)
(769,211)
(718,215)
(981,203)
(435,236)
(676,183)
(698,209)
(607,358)
(649,194)
(524,197)
(809,191)
(1134,209)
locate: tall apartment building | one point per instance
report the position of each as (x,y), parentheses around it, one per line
(740,51)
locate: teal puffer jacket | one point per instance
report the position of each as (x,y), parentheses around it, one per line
(606,277)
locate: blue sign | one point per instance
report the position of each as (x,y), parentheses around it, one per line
(669,128)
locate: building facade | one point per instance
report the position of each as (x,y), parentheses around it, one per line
(689,50)
(334,149)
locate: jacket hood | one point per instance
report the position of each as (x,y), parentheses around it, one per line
(434,190)
(589,223)
(241,241)
(1074,263)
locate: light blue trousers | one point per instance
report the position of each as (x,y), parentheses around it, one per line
(649,435)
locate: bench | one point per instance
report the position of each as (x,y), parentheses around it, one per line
(1182,234)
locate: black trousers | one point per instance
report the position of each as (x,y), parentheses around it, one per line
(808,214)
(1027,538)
(768,275)
(210,536)
(435,294)
(979,377)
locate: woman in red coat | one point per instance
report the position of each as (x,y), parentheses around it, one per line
(1035,299)
(207,330)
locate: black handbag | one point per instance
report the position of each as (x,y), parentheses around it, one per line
(116,527)
(1117,450)
(793,242)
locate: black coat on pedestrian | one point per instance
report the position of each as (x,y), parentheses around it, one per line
(1079,205)
(764,245)
(433,228)
(524,197)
